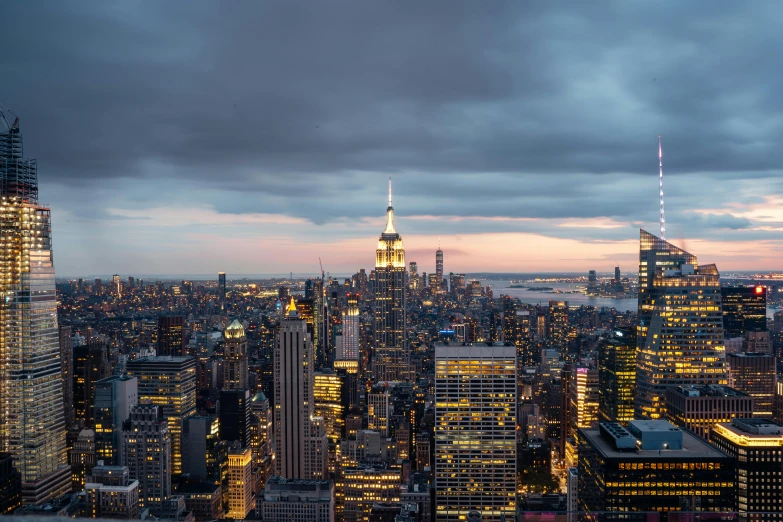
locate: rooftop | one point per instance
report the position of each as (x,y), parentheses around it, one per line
(751,432)
(693,447)
(750,354)
(713,390)
(162,359)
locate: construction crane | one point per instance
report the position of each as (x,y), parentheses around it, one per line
(9,126)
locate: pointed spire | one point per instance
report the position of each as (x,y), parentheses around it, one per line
(291,311)
(660,187)
(390,213)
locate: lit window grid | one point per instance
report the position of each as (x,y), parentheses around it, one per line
(475,437)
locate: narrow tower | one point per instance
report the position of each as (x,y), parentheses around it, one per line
(660,187)
(391,360)
(300,438)
(439,269)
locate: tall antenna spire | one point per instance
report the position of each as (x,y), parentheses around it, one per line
(660,186)
(390,202)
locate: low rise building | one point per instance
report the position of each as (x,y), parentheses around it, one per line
(110,493)
(700,408)
(296,501)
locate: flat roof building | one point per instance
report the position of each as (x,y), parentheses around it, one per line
(296,501)
(652,466)
(699,408)
(475,430)
(757,447)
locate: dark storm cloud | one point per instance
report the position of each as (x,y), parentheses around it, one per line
(491,109)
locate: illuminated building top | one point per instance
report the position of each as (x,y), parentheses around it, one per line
(234,330)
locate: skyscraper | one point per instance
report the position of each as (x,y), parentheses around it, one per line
(582,411)
(438,270)
(146,451)
(240,490)
(681,325)
(222,290)
(617,375)
(656,256)
(754,374)
(744,310)
(169,382)
(32,426)
(171,335)
(90,364)
(234,412)
(391,360)
(757,448)
(592,283)
(475,430)
(116,285)
(115,396)
(235,357)
(297,441)
(66,363)
(349,350)
(558,322)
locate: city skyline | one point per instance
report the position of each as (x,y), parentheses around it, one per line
(521,136)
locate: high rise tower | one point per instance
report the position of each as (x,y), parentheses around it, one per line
(439,270)
(171,335)
(32,425)
(222,290)
(300,444)
(235,360)
(475,430)
(350,318)
(391,360)
(169,382)
(681,325)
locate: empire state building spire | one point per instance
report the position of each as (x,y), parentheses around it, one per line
(390,213)
(391,360)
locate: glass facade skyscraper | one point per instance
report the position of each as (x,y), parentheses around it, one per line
(617,375)
(680,336)
(744,310)
(32,422)
(391,360)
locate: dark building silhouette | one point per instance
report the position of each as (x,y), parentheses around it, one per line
(66,362)
(90,364)
(10,485)
(171,335)
(234,413)
(744,310)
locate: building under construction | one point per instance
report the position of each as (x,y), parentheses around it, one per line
(32,422)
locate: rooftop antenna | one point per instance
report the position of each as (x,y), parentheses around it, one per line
(660,187)
(390,198)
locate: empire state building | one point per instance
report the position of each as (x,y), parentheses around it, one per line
(391,360)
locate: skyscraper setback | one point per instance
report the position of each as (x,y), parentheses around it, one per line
(391,360)
(299,436)
(32,425)
(681,325)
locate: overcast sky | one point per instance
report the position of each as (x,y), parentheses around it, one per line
(254,137)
